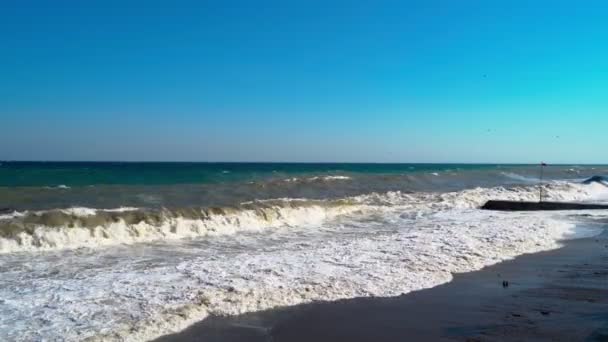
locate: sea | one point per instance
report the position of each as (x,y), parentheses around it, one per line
(132,251)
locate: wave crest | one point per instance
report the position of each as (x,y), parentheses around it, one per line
(386,244)
(317,179)
(86,227)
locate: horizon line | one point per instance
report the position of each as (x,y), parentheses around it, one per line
(285,162)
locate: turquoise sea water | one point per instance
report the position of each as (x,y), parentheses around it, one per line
(95,173)
(152,173)
(51,185)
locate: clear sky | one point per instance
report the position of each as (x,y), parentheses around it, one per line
(379,81)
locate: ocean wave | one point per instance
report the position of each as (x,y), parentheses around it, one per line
(377,244)
(596,179)
(87,227)
(381,264)
(518,177)
(84,212)
(8,216)
(58,187)
(329,178)
(317,178)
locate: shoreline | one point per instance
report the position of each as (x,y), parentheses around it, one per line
(560,294)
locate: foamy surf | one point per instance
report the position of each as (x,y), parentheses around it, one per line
(318,178)
(248,259)
(86,227)
(520,178)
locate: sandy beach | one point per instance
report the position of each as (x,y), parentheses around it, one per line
(559,295)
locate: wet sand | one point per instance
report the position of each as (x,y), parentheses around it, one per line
(560,295)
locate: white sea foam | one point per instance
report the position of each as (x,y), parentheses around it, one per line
(518,177)
(12,215)
(83,211)
(273,216)
(329,178)
(318,178)
(386,264)
(391,244)
(76,211)
(120,210)
(44,238)
(80,211)
(60,186)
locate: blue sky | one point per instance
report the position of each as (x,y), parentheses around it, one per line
(378,81)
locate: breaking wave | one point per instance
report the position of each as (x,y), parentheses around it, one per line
(318,179)
(60,186)
(520,178)
(450,236)
(376,244)
(597,179)
(87,227)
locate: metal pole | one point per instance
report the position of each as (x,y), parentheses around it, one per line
(540,187)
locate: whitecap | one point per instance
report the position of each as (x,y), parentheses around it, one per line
(138,294)
(518,177)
